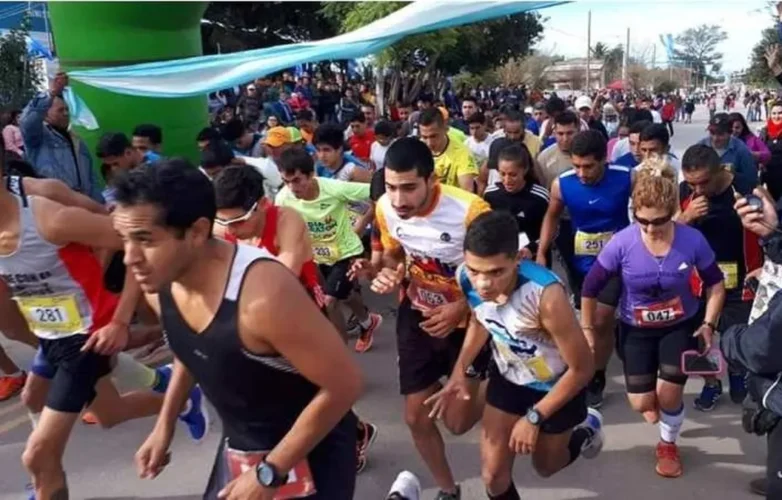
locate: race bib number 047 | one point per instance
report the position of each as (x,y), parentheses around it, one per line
(52,314)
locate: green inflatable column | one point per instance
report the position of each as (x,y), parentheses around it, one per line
(104,34)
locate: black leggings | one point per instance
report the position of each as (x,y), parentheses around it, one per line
(669,123)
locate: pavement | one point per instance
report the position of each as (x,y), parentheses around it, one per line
(719,458)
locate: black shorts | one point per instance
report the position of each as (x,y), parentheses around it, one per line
(332,463)
(336,281)
(75,373)
(608,296)
(734,313)
(518,399)
(647,351)
(423,359)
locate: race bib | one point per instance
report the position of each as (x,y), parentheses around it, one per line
(730,270)
(52,314)
(539,368)
(300,483)
(659,314)
(429,297)
(325,252)
(591,243)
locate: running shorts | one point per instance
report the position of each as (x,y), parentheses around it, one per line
(332,463)
(336,281)
(423,359)
(518,399)
(75,373)
(647,351)
(608,296)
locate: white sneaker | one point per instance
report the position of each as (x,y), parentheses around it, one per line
(594,445)
(406,487)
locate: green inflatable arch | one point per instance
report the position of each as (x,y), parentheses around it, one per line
(104,34)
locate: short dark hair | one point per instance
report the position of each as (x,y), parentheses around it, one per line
(112,144)
(181,193)
(217,154)
(700,156)
(638,127)
(385,128)
(208,134)
(330,134)
(431,116)
(150,131)
(641,115)
(555,105)
(589,143)
(471,99)
(305,114)
(238,186)
(409,153)
(567,118)
(233,130)
(296,159)
(656,132)
(514,115)
(493,233)
(478,118)
(359,117)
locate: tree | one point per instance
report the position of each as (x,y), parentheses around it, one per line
(613,63)
(665,87)
(600,51)
(235,26)
(697,47)
(530,71)
(421,62)
(758,72)
(19,78)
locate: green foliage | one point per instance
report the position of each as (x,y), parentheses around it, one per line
(697,47)
(758,72)
(600,50)
(18,80)
(665,87)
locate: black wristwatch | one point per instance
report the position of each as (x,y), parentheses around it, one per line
(534,417)
(268,476)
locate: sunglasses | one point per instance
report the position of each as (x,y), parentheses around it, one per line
(236,220)
(659,221)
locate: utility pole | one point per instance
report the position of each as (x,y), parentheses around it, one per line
(589,49)
(654,64)
(626,55)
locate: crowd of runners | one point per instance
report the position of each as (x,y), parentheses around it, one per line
(253,268)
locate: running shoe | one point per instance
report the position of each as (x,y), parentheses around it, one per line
(367,336)
(668,462)
(196,416)
(10,385)
(759,486)
(352,328)
(29,489)
(595,390)
(366,438)
(710,394)
(737,383)
(406,486)
(441,495)
(594,445)
(163,374)
(89,418)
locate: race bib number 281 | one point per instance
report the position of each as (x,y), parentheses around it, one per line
(52,314)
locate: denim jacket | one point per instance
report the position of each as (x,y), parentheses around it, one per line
(51,155)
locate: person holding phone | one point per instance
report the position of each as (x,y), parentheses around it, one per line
(659,313)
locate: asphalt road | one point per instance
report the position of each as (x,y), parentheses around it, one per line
(719,458)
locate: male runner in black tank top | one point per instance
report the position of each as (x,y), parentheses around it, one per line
(240,325)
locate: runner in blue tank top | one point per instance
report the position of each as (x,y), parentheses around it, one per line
(535,398)
(596,196)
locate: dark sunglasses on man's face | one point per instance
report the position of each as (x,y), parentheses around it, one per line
(659,221)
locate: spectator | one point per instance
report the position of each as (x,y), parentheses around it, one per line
(12,135)
(250,106)
(53,150)
(148,140)
(771,135)
(755,144)
(362,138)
(245,141)
(348,107)
(733,153)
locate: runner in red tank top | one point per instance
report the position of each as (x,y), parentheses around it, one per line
(244,213)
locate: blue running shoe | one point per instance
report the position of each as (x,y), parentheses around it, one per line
(196,417)
(594,445)
(163,374)
(738,387)
(709,396)
(30,490)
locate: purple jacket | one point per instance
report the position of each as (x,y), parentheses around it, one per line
(756,145)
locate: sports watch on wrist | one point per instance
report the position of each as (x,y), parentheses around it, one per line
(268,475)
(534,417)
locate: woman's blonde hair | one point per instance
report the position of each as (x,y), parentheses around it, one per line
(655,185)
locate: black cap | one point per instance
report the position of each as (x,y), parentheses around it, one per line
(720,124)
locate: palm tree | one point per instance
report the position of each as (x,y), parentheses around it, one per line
(600,50)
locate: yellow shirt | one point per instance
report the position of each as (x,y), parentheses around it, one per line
(454,162)
(533,143)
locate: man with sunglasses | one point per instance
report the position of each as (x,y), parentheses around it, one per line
(596,195)
(707,196)
(245,215)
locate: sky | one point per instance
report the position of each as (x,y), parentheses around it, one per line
(566,28)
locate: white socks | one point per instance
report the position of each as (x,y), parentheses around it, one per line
(671,424)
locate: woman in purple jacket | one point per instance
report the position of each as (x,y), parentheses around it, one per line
(660,317)
(754,143)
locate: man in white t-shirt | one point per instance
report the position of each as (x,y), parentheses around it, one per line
(480,140)
(385,133)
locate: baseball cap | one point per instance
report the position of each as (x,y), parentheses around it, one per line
(277,136)
(720,124)
(295,134)
(609,109)
(528,110)
(583,102)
